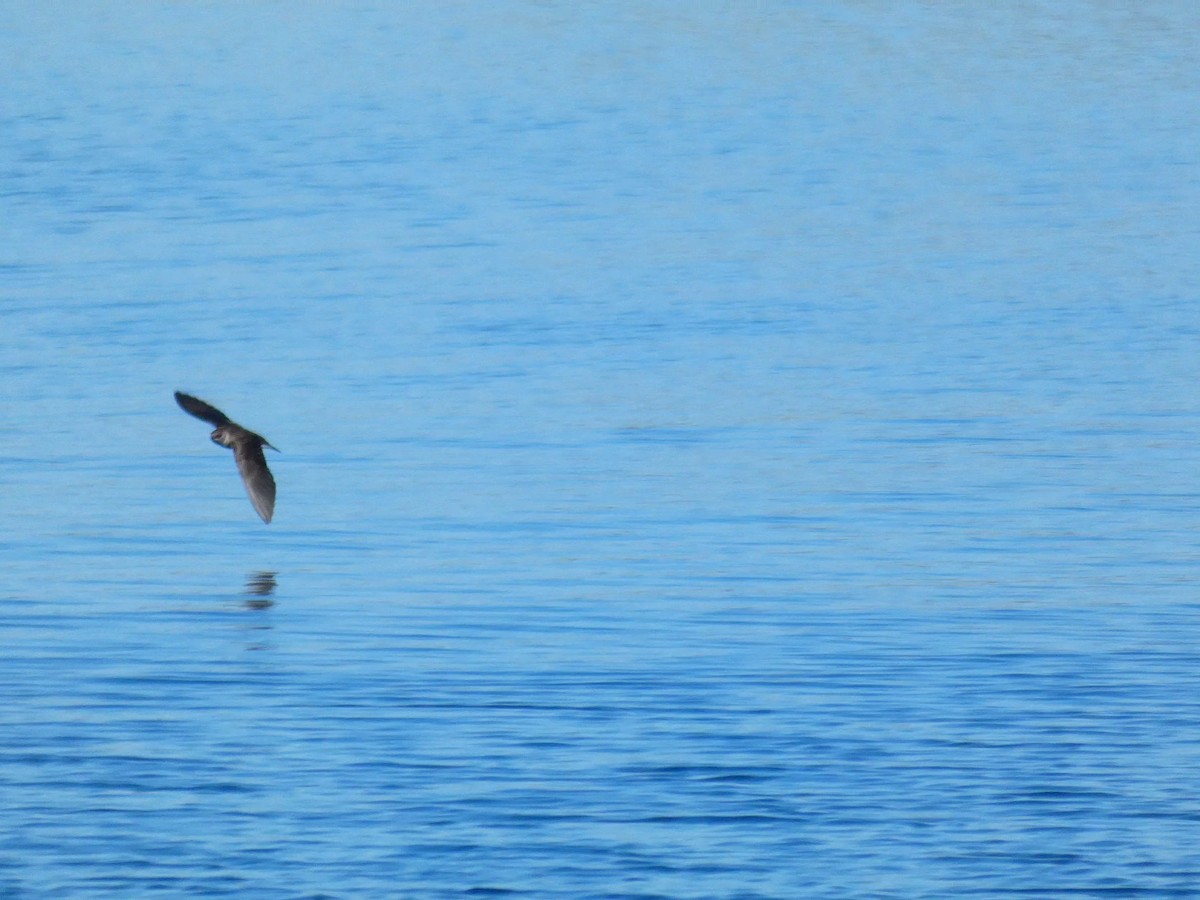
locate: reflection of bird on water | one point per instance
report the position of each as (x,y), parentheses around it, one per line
(259,588)
(247,452)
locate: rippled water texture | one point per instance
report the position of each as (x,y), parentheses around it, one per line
(727,450)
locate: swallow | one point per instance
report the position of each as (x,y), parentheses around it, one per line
(247,450)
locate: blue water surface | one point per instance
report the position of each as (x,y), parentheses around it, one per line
(728,450)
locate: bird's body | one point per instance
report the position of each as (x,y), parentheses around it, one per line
(247,450)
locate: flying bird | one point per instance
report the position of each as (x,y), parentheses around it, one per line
(247,450)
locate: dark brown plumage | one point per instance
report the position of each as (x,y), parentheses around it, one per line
(247,451)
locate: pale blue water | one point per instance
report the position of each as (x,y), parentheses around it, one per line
(737,451)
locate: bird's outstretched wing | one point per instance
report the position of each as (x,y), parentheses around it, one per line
(200,409)
(257,477)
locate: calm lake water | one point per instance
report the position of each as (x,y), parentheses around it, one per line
(728,450)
